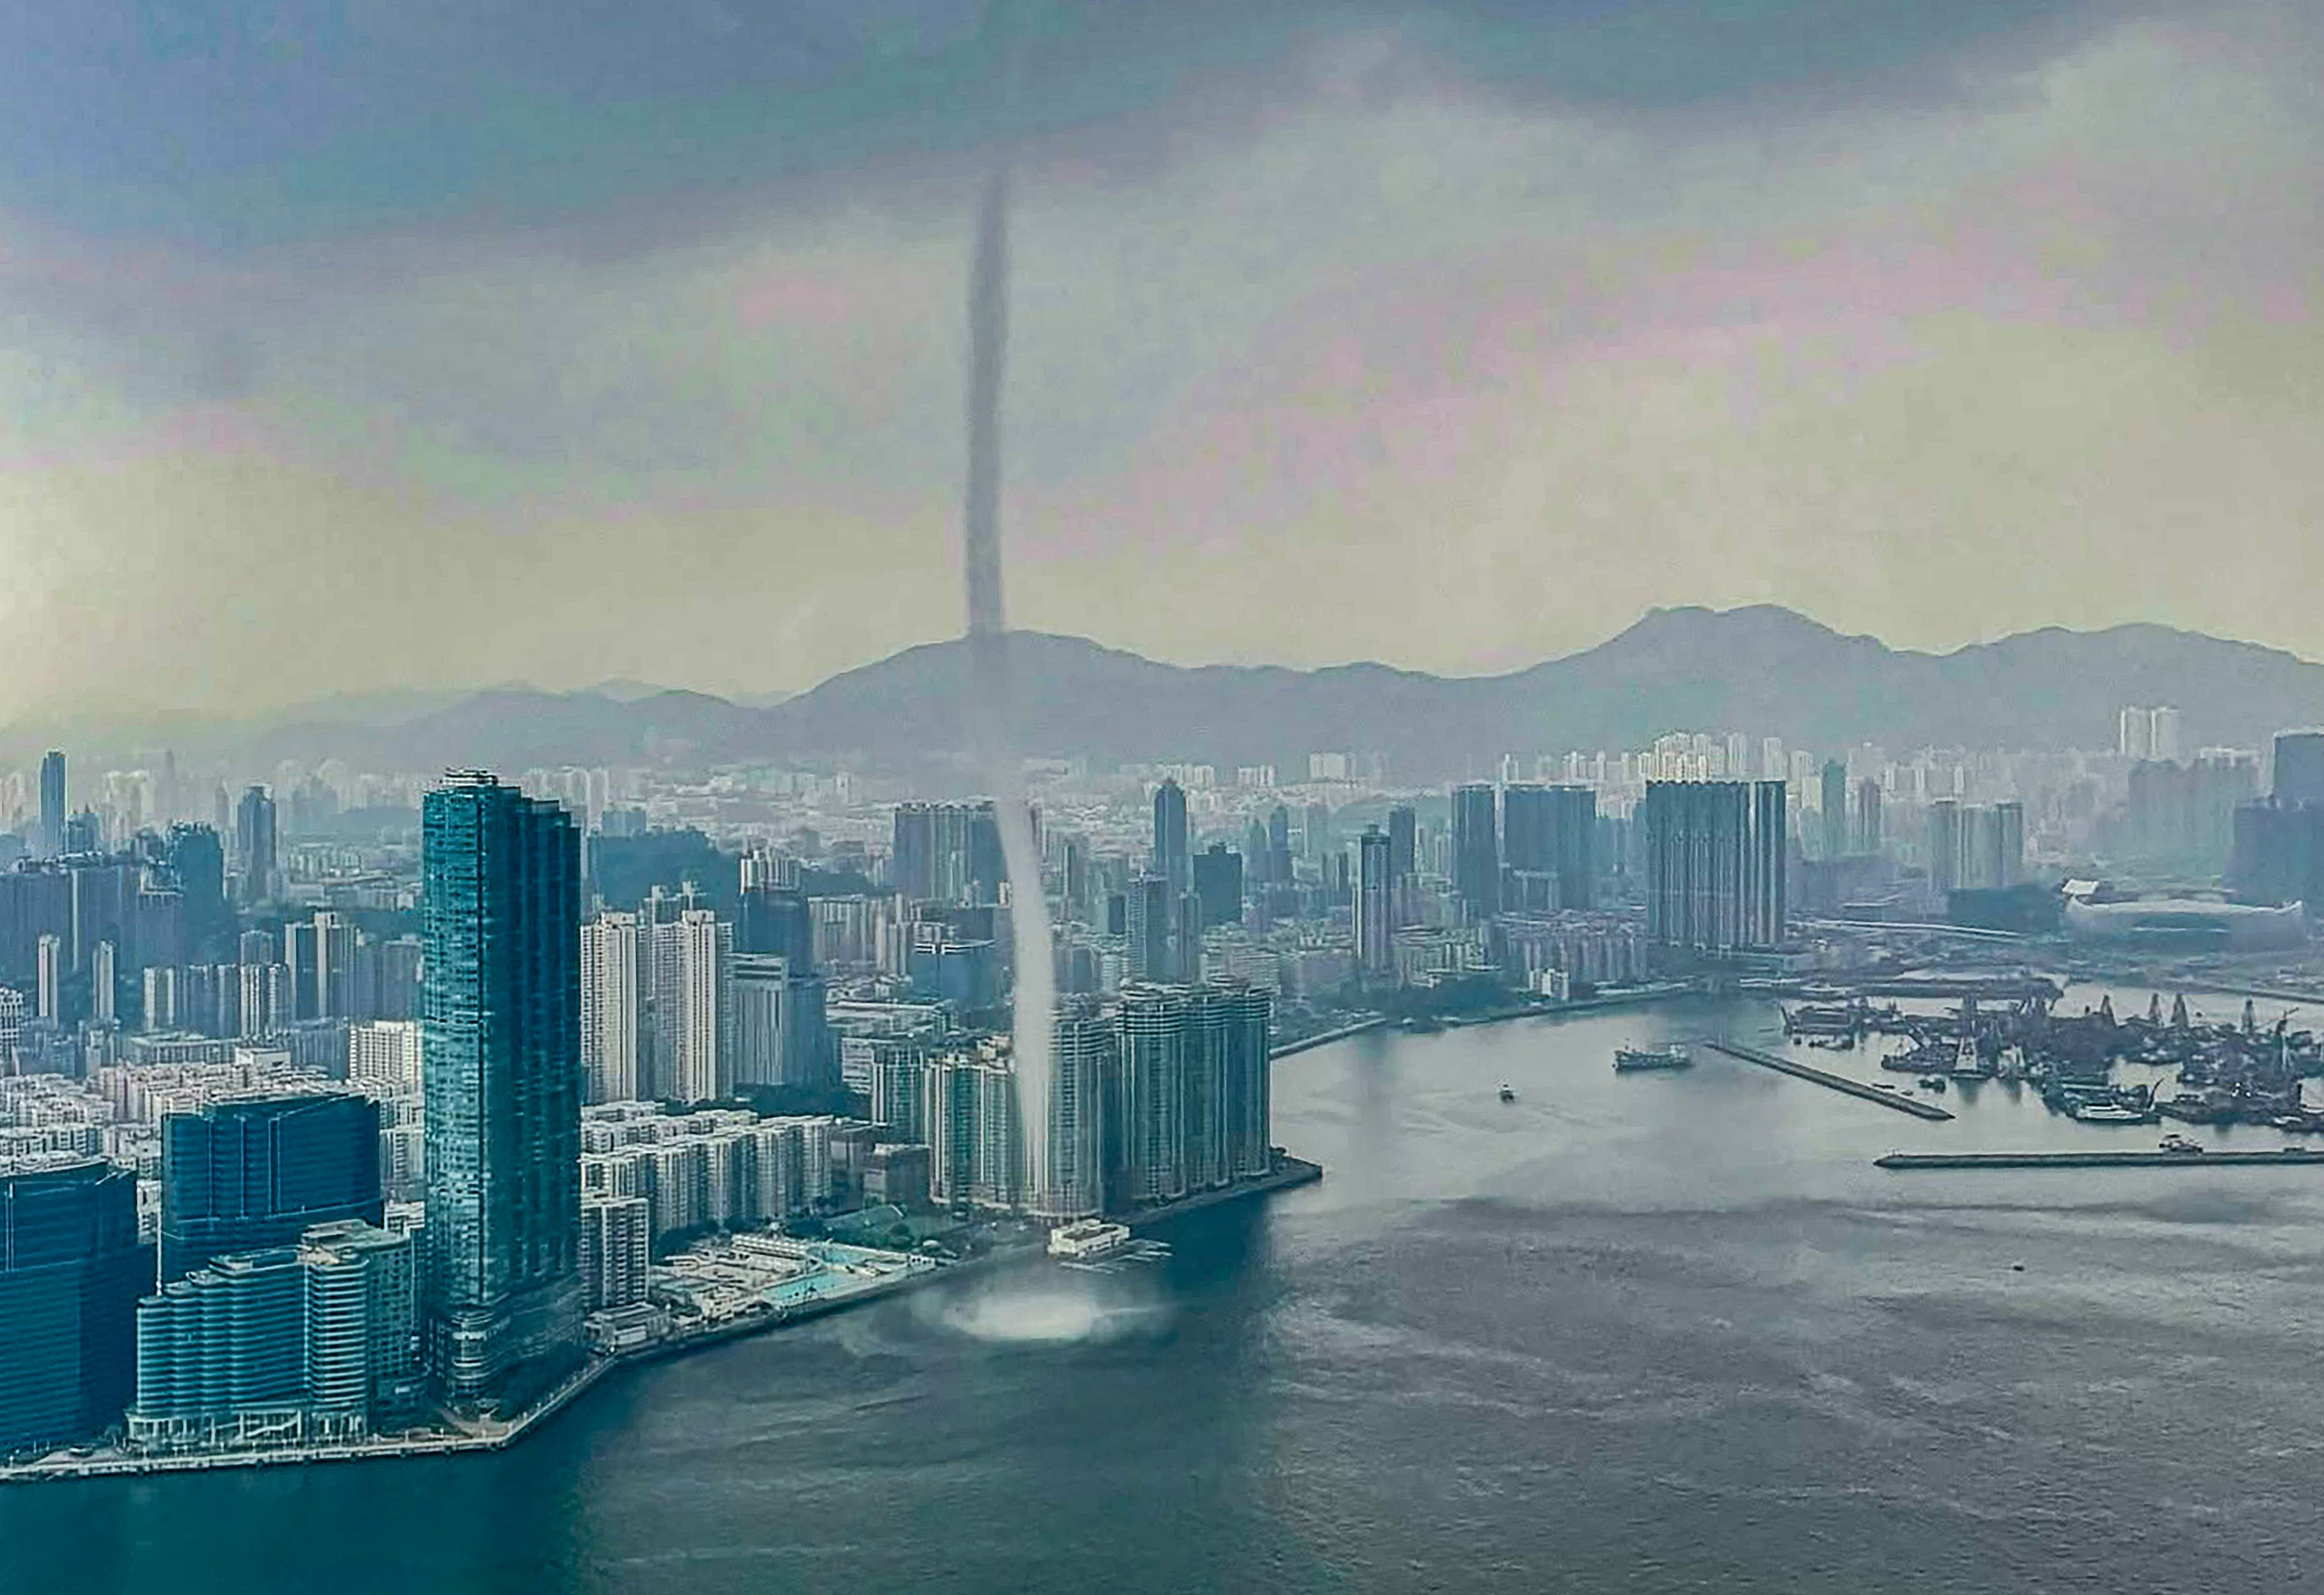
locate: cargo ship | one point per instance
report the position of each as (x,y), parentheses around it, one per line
(1628,1059)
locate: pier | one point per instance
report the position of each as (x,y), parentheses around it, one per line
(1840,1082)
(2300,1156)
(1308,1043)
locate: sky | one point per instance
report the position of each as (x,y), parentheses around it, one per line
(446,342)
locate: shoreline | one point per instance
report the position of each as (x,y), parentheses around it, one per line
(1628,997)
(1290,1173)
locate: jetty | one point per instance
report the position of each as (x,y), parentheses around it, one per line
(1825,1077)
(2302,1157)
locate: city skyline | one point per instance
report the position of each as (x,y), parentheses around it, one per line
(2238,691)
(1631,895)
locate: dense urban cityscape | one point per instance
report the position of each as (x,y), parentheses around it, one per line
(1339,797)
(352,1111)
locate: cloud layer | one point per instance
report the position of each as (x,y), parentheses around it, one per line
(1451,337)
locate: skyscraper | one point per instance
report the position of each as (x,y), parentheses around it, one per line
(1188,1107)
(616,1243)
(1147,1156)
(947,852)
(1715,858)
(1834,797)
(615,986)
(693,964)
(1527,883)
(254,847)
(1073,1172)
(1375,905)
(104,981)
(500,907)
(1943,846)
(48,981)
(2162,734)
(70,1273)
(196,862)
(1316,832)
(251,1172)
(1218,885)
(1171,855)
(1766,903)
(2298,768)
(1239,1026)
(1549,844)
(321,955)
(777,923)
(781,1034)
(1476,850)
(2008,865)
(1153,930)
(1869,840)
(1403,843)
(1573,835)
(52,805)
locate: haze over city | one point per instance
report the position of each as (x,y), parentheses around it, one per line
(994,795)
(359,345)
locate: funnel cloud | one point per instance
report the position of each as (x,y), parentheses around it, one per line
(1028,914)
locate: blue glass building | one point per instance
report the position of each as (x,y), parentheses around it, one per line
(70,1273)
(246,1175)
(502,1052)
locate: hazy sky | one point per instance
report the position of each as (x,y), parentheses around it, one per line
(449,341)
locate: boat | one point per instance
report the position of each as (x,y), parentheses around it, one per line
(1628,1059)
(1932,1082)
(1088,1240)
(1508,1094)
(2182,1145)
(2107,1113)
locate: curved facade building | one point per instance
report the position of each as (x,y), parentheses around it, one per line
(2242,926)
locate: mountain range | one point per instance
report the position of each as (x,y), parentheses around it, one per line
(1763,669)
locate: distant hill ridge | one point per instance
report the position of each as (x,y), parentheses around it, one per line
(1763,669)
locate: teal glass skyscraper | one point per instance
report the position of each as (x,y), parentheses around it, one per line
(501,1049)
(247,1173)
(71,1273)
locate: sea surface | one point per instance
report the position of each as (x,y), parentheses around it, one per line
(1643,1334)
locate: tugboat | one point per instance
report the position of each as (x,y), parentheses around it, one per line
(1509,1092)
(1628,1059)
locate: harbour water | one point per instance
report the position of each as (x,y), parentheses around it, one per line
(1655,1332)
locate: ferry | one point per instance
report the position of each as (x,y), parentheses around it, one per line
(1089,1240)
(1627,1059)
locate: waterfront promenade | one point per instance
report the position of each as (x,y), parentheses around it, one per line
(464,1436)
